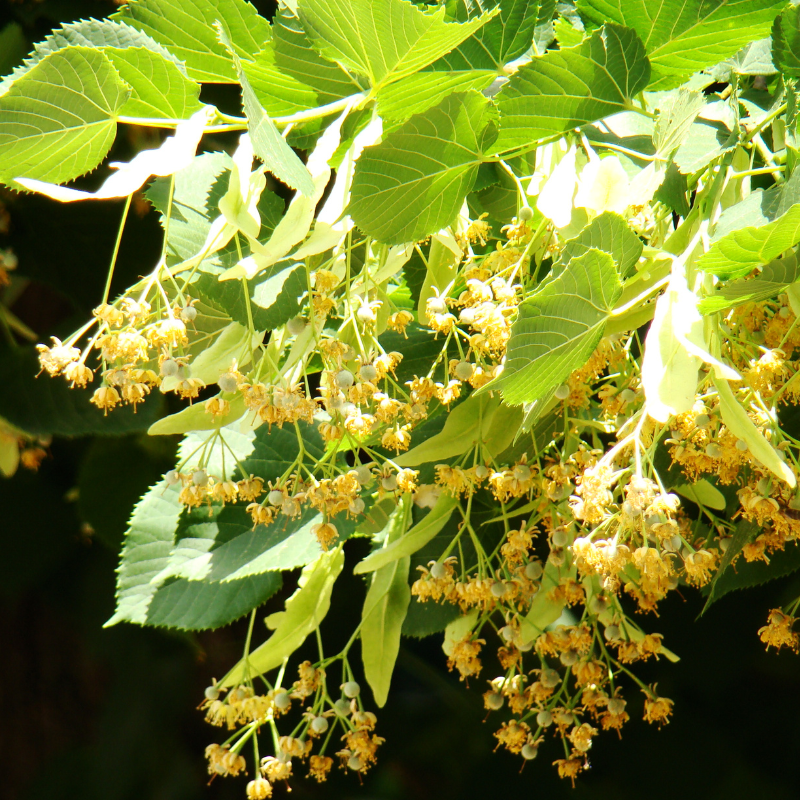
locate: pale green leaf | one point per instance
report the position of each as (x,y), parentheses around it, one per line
(684,36)
(775,278)
(544,610)
(674,121)
(754,59)
(705,141)
(58,120)
(415,539)
(159,88)
(786,42)
(384,611)
(198,188)
(414,182)
(196,418)
(468,424)
(742,427)
(458,629)
(186,28)
(741,251)
(288,75)
(88,33)
(384,41)
(565,89)
(305,610)
(559,326)
(703,493)
(567,34)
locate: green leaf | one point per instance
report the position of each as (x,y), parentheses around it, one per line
(559,326)
(745,532)
(268,144)
(425,619)
(759,207)
(418,350)
(144,600)
(288,75)
(567,34)
(417,93)
(745,574)
(222,544)
(197,605)
(305,610)
(384,611)
(569,88)
(610,233)
(45,406)
(383,41)
(88,33)
(504,38)
(741,251)
(186,28)
(684,36)
(786,42)
(159,88)
(775,278)
(147,547)
(414,182)
(58,120)
(275,295)
(413,540)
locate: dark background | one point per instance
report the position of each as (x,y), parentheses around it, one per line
(110,714)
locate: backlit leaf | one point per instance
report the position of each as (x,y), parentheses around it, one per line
(684,36)
(414,182)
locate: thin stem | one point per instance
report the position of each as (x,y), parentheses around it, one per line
(116,247)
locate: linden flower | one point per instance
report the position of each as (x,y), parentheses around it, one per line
(319,767)
(603,186)
(778,631)
(259,789)
(657,709)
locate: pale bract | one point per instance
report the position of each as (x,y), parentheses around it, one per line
(176,153)
(556,196)
(603,186)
